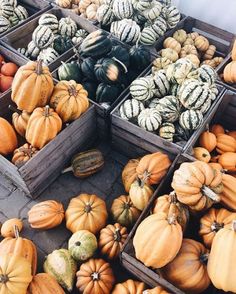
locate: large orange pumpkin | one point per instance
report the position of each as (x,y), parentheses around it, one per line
(8,139)
(129,173)
(225,143)
(129,287)
(156,290)
(32,86)
(228,161)
(207,140)
(153,167)
(228,198)
(217,129)
(230,72)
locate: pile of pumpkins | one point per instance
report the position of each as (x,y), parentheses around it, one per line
(190,242)
(104,66)
(193,46)
(7,73)
(42,110)
(53,37)
(229,74)
(11,14)
(172,100)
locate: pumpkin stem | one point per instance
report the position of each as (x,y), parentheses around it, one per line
(146,176)
(72,91)
(4,279)
(204,257)
(127,205)
(140,182)
(95,276)
(14,109)
(46,113)
(234,225)
(78,243)
(117,235)
(207,128)
(172,217)
(209,193)
(68,169)
(173,198)
(87,208)
(39,67)
(16,232)
(121,63)
(215,227)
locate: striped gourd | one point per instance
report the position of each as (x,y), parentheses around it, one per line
(159,26)
(48,55)
(141,5)
(122,9)
(43,37)
(214,92)
(108,2)
(114,27)
(105,15)
(172,16)
(162,84)
(153,103)
(13,3)
(81,33)
(206,106)
(4,24)
(167,131)
(149,119)
(154,12)
(148,36)
(33,50)
(139,18)
(77,40)
(207,74)
(131,108)
(166,2)
(181,134)
(6,8)
(67,27)
(174,89)
(194,94)
(190,119)
(142,88)
(126,30)
(169,108)
(49,20)
(14,20)
(179,71)
(21,12)
(23,51)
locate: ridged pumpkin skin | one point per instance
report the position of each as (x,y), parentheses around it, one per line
(129,173)
(32,86)
(23,154)
(228,198)
(8,139)
(156,290)
(201,154)
(153,167)
(228,161)
(207,140)
(95,277)
(8,227)
(225,143)
(43,126)
(230,72)
(46,284)
(217,129)
(20,122)
(111,240)
(188,270)
(70,100)
(234,51)
(221,263)
(212,222)
(86,212)
(129,287)
(16,274)
(232,134)
(46,215)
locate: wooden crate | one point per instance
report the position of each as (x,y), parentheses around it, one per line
(40,171)
(23,35)
(221,68)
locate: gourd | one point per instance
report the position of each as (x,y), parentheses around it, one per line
(122,9)
(19,120)
(181,134)
(194,59)
(20,12)
(87,68)
(172,16)
(91,12)
(43,126)
(173,44)
(201,43)
(180,36)
(86,212)
(32,86)
(8,139)
(217,129)
(4,24)
(148,36)
(169,108)
(156,290)
(142,88)
(107,70)
(62,44)
(201,154)
(83,5)
(188,49)
(49,20)
(8,227)
(228,161)
(43,36)
(140,57)
(120,54)
(232,134)
(129,286)
(162,85)
(46,215)
(160,63)
(64,3)
(207,74)
(167,131)
(108,93)
(23,154)
(208,141)
(105,15)
(112,239)
(153,13)
(225,143)
(129,173)
(6,9)
(149,119)
(69,71)
(95,277)
(230,72)
(48,55)
(191,119)
(170,54)
(210,52)
(33,50)
(67,27)
(126,30)
(180,71)
(228,192)
(233,53)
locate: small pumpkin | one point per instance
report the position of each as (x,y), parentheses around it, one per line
(201,43)
(170,54)
(228,194)
(210,52)
(225,143)
(208,141)
(201,154)
(8,227)
(8,139)
(129,173)
(23,154)
(194,59)
(230,72)
(228,161)
(20,120)
(64,3)
(180,36)
(232,134)
(129,287)
(156,290)
(188,49)
(234,51)
(173,44)
(217,129)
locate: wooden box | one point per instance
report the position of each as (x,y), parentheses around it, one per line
(221,68)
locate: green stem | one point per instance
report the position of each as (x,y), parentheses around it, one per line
(14,109)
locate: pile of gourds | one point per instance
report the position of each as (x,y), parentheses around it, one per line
(42,110)
(229,74)
(172,101)
(7,73)
(188,264)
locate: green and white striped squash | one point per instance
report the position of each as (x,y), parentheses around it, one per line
(169,108)
(21,12)
(167,131)
(207,74)
(67,27)
(114,27)
(214,92)
(174,89)
(62,267)
(33,50)
(81,33)
(48,55)
(43,37)
(181,134)
(206,106)
(172,16)
(142,88)
(130,109)
(49,20)
(105,15)
(190,119)
(126,30)
(179,71)
(148,36)
(149,119)
(153,103)
(6,8)
(14,20)
(122,9)
(166,2)
(159,26)
(4,24)
(23,51)
(154,12)
(141,5)
(13,3)
(162,84)
(139,18)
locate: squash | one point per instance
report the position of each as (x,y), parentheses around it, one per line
(230,72)
(50,20)
(140,57)
(32,86)
(108,93)
(197,185)
(8,227)
(142,88)
(112,239)
(221,267)
(64,3)
(232,134)
(201,43)
(87,68)
(105,15)
(67,27)
(217,129)
(160,63)
(201,154)
(95,277)
(44,283)
(149,119)
(170,54)
(83,5)
(15,274)
(62,44)
(234,51)
(46,215)
(129,287)
(188,270)
(107,70)
(70,100)
(82,245)
(172,16)
(91,12)
(43,37)
(191,119)
(194,59)
(180,36)
(193,35)
(86,212)
(228,161)
(8,139)
(228,193)
(127,31)
(156,290)
(167,131)
(153,167)
(23,154)
(208,141)
(210,52)
(20,120)
(225,143)
(188,49)
(124,212)
(129,173)
(213,221)
(173,44)
(69,71)
(169,108)
(180,71)
(43,126)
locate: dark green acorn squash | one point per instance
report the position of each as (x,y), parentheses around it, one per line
(129,77)
(62,44)
(87,68)
(108,93)
(140,57)
(181,134)
(70,71)
(107,70)
(121,53)
(91,88)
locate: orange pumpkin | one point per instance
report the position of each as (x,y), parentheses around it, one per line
(23,154)
(9,69)
(228,198)
(230,72)
(234,51)
(207,140)
(8,227)
(8,139)
(225,143)
(20,120)
(129,173)
(232,134)
(201,154)
(217,129)
(201,43)
(153,167)
(156,290)
(228,161)
(129,287)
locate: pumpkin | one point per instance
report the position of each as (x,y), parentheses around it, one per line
(212,222)
(208,141)
(128,31)
(234,51)
(160,63)
(107,70)
(217,129)
(216,165)
(20,120)
(166,230)
(173,44)
(23,154)
(140,57)
(15,274)
(170,54)
(228,161)
(95,277)
(210,52)
(129,173)
(129,287)
(32,86)
(46,215)
(69,71)
(124,212)
(20,247)
(194,59)
(70,100)
(86,212)
(230,72)
(62,44)
(201,154)
(8,139)
(228,193)
(180,36)
(153,167)
(87,68)
(7,229)
(211,63)
(197,185)
(156,290)
(188,270)
(225,143)
(188,49)
(44,283)
(111,240)
(82,245)
(221,265)
(201,43)
(232,134)
(64,3)
(43,126)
